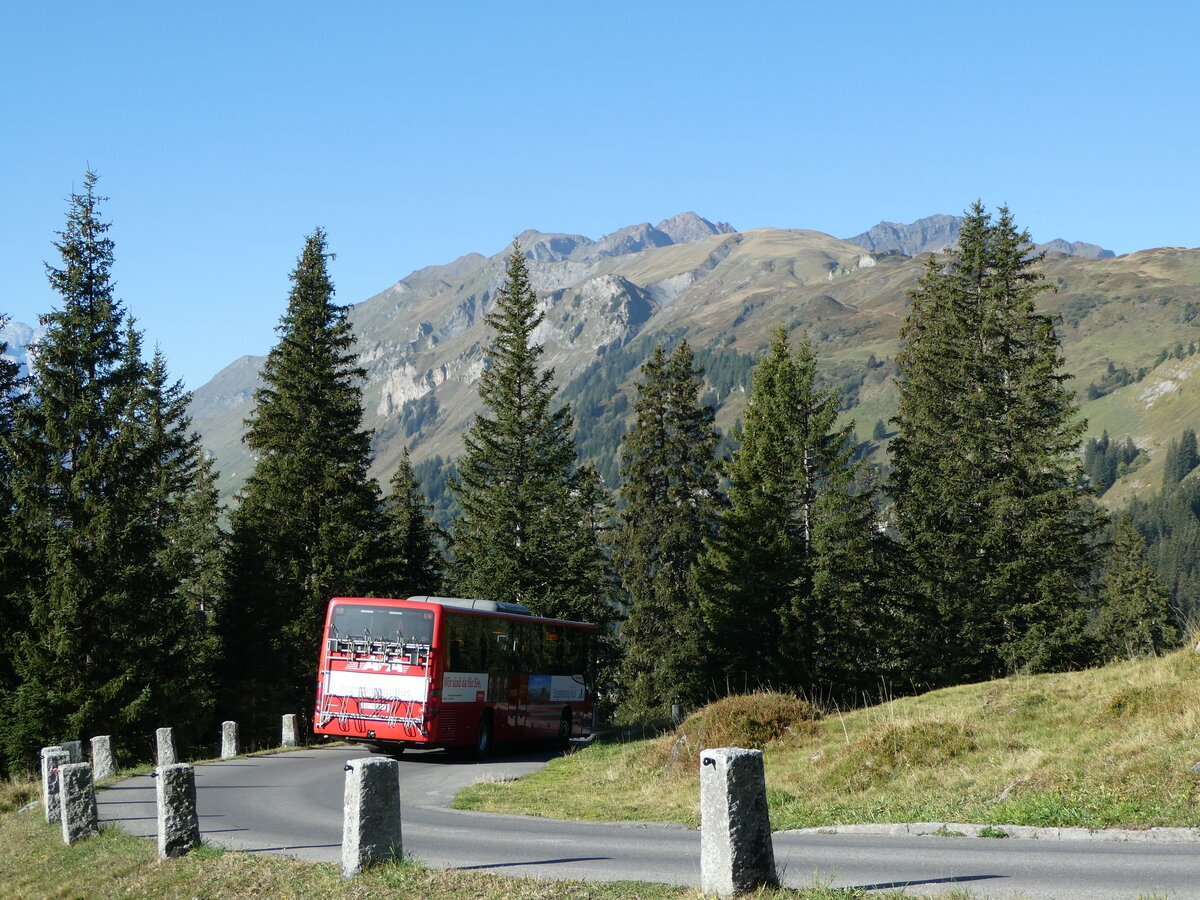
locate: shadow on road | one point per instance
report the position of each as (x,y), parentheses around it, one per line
(502,753)
(290,847)
(897,885)
(534,862)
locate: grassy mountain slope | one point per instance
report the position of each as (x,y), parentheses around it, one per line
(1113,746)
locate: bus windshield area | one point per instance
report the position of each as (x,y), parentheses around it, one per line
(379,630)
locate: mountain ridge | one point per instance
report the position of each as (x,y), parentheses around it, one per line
(608,300)
(934,234)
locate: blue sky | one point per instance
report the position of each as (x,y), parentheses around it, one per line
(223,133)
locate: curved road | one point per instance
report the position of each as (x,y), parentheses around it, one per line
(291,803)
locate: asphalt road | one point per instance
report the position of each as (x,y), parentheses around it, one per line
(292,804)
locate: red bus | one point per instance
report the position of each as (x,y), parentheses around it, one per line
(450,672)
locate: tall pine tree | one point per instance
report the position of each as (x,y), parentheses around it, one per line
(1134,616)
(669,487)
(527,532)
(792,580)
(110,646)
(305,527)
(12,563)
(1181,458)
(986,477)
(411,563)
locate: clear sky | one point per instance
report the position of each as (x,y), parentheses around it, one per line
(224,132)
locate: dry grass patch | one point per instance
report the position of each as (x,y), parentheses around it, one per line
(892,748)
(17,792)
(754,721)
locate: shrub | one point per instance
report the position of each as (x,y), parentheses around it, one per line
(888,749)
(1139,701)
(752,721)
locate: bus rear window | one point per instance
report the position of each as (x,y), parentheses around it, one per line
(382,623)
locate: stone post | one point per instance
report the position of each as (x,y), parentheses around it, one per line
(229,740)
(178,824)
(676,713)
(736,853)
(371,813)
(289,731)
(74,750)
(103,763)
(165,739)
(52,758)
(77,799)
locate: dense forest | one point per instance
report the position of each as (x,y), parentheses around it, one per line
(771,556)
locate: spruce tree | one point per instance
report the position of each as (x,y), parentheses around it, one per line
(1181,459)
(412,564)
(791,579)
(669,487)
(986,478)
(12,563)
(1134,607)
(108,647)
(526,533)
(305,526)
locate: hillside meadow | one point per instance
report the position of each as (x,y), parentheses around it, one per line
(1115,746)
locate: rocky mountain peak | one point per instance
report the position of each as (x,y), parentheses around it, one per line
(1076,248)
(679,229)
(18,336)
(687,227)
(931,234)
(934,234)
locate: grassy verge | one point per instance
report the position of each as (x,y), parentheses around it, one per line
(34,863)
(1109,747)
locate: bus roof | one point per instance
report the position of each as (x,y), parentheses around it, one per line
(509,610)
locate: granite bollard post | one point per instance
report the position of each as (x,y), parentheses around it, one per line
(104,765)
(229,740)
(74,750)
(52,758)
(164,740)
(289,731)
(77,799)
(736,853)
(371,813)
(178,824)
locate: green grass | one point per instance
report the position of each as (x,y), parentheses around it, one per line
(1109,747)
(34,863)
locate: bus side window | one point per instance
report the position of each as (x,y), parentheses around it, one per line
(462,633)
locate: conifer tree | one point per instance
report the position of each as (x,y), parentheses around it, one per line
(791,577)
(11,561)
(1135,609)
(412,563)
(304,530)
(526,533)
(107,645)
(670,492)
(986,478)
(1181,458)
